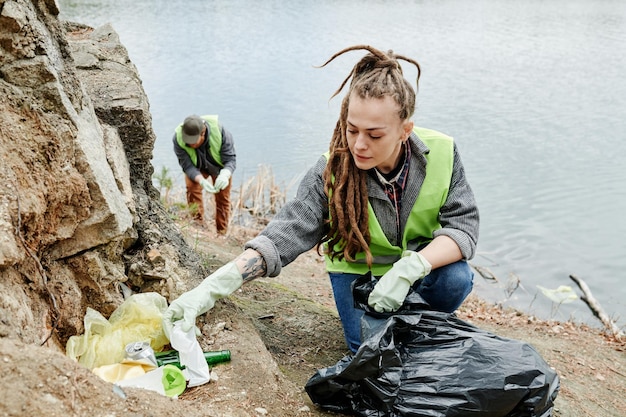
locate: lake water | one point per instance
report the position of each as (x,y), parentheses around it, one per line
(533,92)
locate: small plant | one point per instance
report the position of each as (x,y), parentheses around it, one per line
(164,182)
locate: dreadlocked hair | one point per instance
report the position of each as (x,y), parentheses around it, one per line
(376,75)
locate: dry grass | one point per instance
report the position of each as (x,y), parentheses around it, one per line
(253,203)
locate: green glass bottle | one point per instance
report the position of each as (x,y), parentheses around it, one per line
(171,357)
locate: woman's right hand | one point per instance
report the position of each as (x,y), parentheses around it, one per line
(201,299)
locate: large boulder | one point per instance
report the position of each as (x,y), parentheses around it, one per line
(80,220)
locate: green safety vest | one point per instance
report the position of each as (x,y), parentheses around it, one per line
(424,217)
(215,141)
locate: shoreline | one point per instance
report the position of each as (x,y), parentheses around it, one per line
(590,364)
(256,214)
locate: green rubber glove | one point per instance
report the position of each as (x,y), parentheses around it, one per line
(206,184)
(201,299)
(391,289)
(221,181)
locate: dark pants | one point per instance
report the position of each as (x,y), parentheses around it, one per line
(444,289)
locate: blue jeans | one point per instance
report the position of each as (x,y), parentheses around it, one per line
(444,289)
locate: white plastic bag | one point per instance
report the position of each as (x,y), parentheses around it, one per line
(191,356)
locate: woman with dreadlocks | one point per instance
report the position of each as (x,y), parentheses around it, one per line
(388,199)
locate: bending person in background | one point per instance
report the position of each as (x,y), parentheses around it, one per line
(205,149)
(388,198)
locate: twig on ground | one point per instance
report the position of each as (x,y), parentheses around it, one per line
(512,285)
(484,272)
(616,371)
(596,308)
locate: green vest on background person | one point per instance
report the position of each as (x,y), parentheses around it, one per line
(423,219)
(215,141)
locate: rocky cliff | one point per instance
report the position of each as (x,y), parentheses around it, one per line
(80,220)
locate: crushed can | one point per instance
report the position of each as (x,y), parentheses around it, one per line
(141,352)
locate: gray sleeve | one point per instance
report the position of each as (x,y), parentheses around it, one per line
(298,226)
(185,161)
(227,153)
(459,215)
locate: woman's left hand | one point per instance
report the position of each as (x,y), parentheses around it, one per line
(391,289)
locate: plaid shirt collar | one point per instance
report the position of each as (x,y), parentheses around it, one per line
(399,180)
(395,186)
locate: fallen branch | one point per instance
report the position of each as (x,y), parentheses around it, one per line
(485,272)
(596,308)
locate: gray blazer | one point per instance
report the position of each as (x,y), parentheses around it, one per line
(299,225)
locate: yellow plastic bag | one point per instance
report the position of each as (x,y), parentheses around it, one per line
(119,371)
(137,319)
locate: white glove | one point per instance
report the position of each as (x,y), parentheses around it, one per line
(206,184)
(391,289)
(221,181)
(201,299)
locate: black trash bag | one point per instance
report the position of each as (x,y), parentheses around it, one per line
(418,362)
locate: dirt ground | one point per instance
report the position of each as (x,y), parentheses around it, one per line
(279,332)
